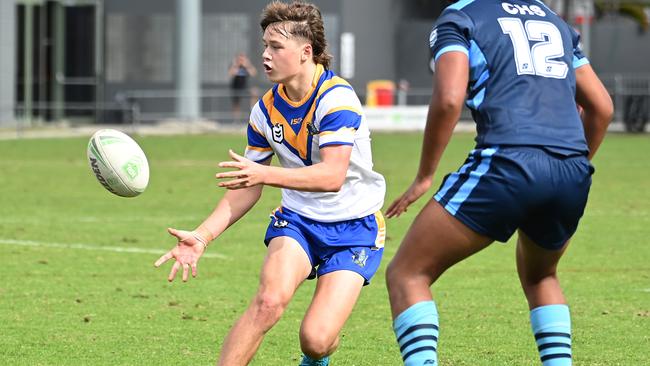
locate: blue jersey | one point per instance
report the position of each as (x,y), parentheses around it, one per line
(522,60)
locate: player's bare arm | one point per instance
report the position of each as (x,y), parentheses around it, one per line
(192,244)
(452,70)
(597,106)
(325,176)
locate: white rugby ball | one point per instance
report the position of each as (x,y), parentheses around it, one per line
(118,163)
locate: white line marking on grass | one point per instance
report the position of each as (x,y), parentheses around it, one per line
(104,219)
(32,243)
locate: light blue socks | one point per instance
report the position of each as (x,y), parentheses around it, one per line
(552,329)
(416,330)
(308,361)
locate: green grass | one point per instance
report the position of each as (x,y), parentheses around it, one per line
(63,306)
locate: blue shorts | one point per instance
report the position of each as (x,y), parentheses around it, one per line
(499,190)
(354,245)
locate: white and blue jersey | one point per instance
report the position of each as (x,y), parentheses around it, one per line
(341,230)
(522,59)
(330,114)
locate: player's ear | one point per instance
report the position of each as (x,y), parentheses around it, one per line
(307,52)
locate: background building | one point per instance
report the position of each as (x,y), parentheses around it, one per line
(120,60)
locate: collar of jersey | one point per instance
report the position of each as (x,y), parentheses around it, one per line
(314,82)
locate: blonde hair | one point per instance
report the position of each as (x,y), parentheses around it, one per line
(304,20)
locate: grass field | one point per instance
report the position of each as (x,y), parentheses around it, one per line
(79,287)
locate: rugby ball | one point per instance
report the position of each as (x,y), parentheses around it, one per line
(118,162)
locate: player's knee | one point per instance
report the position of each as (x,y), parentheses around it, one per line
(316,343)
(395,276)
(269,307)
(391,275)
(401,279)
(533,280)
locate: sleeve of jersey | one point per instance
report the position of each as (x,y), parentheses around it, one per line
(451,33)
(579,59)
(339,113)
(258,148)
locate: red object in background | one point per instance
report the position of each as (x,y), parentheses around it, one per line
(384,96)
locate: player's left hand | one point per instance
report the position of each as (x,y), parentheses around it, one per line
(187,252)
(419,187)
(247,174)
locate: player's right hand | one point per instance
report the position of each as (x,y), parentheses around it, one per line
(415,191)
(187,252)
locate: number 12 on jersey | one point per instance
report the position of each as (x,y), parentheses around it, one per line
(538,59)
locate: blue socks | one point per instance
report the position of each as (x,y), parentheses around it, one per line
(308,361)
(416,330)
(552,329)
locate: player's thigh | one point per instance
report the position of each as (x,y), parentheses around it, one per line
(435,241)
(285,267)
(535,262)
(334,298)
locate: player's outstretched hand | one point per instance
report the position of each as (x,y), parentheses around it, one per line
(247,174)
(415,191)
(187,252)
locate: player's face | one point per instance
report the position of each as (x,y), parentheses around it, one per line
(283,54)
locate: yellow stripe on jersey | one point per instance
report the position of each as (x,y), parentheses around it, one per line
(381,230)
(255,128)
(260,149)
(267,100)
(299,140)
(343,108)
(329,84)
(325,133)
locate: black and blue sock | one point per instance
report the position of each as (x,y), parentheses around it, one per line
(416,330)
(552,329)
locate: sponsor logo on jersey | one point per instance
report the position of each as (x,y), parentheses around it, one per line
(433,37)
(523,9)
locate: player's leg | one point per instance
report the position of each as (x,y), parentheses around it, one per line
(285,267)
(537,268)
(349,254)
(435,242)
(549,314)
(333,301)
(543,238)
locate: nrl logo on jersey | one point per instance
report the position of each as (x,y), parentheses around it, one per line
(278,133)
